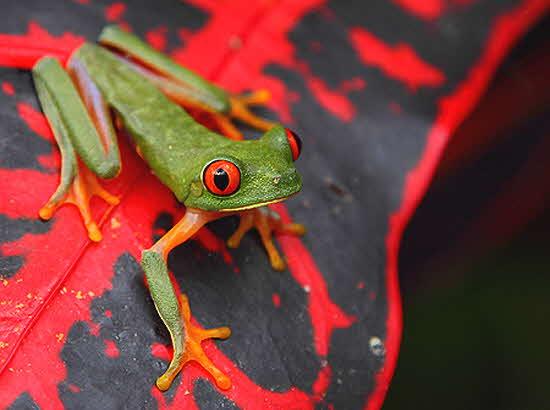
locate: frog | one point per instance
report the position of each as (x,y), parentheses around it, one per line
(121,85)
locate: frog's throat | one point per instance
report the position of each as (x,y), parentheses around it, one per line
(244,208)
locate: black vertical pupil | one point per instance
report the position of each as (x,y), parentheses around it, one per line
(298,142)
(221,179)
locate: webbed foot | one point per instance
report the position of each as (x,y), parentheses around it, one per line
(266,221)
(193,351)
(79,192)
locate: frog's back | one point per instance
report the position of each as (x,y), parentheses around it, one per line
(168,138)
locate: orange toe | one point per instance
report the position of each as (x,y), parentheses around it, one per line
(83,187)
(193,351)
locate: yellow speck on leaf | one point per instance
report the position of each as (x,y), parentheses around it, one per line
(20,306)
(115,223)
(59,336)
(91,294)
(79,295)
(29,295)
(3,345)
(5,282)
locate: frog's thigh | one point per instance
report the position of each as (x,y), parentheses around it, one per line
(185,97)
(94,136)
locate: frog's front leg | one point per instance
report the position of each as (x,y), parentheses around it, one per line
(266,221)
(69,112)
(174,311)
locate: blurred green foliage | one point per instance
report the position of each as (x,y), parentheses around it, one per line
(478,336)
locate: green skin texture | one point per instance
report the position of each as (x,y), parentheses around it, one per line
(176,148)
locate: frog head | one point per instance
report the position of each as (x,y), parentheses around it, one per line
(241,175)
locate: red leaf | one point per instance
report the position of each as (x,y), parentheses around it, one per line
(64,277)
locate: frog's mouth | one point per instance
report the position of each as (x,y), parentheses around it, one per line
(257,205)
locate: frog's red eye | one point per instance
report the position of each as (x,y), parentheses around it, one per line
(222,177)
(295,143)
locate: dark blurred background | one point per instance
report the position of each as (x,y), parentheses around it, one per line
(475,259)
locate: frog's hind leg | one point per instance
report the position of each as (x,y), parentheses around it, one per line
(266,221)
(186,87)
(71,125)
(186,97)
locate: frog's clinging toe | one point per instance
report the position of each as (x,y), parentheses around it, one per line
(193,351)
(79,192)
(293,229)
(256,97)
(164,382)
(93,232)
(277,262)
(267,222)
(240,109)
(47,211)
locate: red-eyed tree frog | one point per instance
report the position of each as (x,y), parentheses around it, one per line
(125,83)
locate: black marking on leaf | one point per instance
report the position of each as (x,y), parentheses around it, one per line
(20,147)
(11,230)
(209,397)
(116,382)
(24,402)
(163,223)
(88,19)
